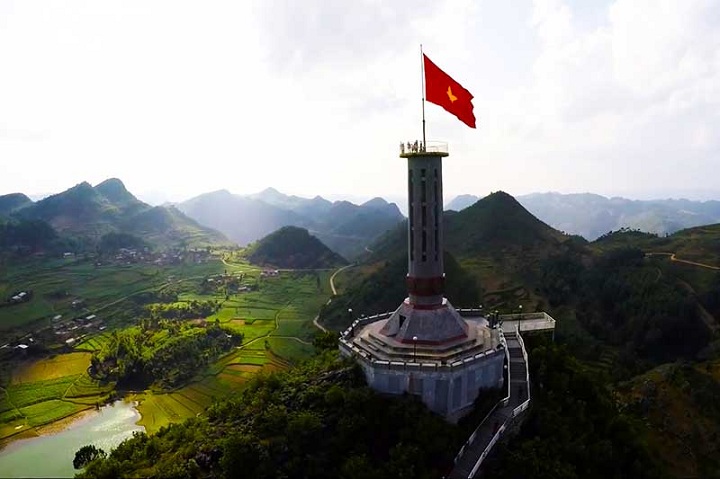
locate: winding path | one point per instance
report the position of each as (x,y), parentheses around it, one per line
(706,317)
(332,278)
(316,321)
(673,257)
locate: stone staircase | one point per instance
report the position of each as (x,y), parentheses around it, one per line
(492,428)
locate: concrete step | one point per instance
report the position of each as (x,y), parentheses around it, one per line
(485,434)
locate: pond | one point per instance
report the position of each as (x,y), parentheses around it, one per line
(52,455)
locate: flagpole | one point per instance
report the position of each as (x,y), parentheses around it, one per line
(422,79)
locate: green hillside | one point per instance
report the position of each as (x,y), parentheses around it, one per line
(344,227)
(84,214)
(294,248)
(163,225)
(13,202)
(632,307)
(317,420)
(496,240)
(497,221)
(384,289)
(678,402)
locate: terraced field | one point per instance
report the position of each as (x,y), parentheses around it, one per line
(275,317)
(44,391)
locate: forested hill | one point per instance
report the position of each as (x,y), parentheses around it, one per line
(640,312)
(496,239)
(592,216)
(12,202)
(295,248)
(82,215)
(493,224)
(320,420)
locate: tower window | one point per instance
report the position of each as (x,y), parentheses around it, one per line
(410,186)
(424,245)
(411,210)
(437,217)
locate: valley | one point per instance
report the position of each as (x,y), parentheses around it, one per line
(189,330)
(78,308)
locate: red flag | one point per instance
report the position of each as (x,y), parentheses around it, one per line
(442,90)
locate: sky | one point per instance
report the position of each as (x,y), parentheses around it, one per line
(313,97)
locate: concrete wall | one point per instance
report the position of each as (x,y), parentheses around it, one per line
(445,390)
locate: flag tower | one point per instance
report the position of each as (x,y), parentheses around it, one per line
(427,347)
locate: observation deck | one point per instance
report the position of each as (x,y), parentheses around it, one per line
(418,148)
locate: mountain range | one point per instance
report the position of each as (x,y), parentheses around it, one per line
(86,213)
(590,215)
(496,239)
(344,227)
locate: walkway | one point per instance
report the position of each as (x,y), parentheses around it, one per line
(316,321)
(332,278)
(501,418)
(678,260)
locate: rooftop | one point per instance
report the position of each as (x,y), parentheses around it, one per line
(418,148)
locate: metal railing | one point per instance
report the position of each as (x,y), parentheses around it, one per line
(508,422)
(522,407)
(502,402)
(418,146)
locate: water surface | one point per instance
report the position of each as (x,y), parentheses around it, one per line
(52,455)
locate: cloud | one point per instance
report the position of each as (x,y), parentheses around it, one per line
(313,97)
(631,103)
(304,35)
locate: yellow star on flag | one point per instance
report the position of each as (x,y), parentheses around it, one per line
(451,96)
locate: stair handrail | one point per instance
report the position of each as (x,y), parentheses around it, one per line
(503,401)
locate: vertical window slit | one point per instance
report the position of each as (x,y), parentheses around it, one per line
(411,211)
(436,212)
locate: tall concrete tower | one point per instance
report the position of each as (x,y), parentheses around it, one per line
(426,347)
(425,317)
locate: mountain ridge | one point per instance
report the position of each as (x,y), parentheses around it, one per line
(343,226)
(591,215)
(88,212)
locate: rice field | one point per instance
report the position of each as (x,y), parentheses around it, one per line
(49,411)
(51,368)
(275,320)
(49,389)
(57,283)
(93,343)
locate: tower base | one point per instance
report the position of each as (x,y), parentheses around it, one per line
(447,375)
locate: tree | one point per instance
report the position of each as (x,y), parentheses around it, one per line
(86,455)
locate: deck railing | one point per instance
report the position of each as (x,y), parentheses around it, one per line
(418,146)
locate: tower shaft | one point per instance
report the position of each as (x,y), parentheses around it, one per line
(425,278)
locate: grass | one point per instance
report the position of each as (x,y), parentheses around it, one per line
(56,284)
(290,349)
(93,343)
(48,390)
(51,368)
(283,306)
(27,394)
(275,320)
(49,411)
